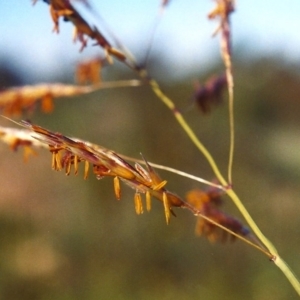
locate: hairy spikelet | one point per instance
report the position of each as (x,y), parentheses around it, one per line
(208,203)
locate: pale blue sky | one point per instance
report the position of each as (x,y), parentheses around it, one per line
(184,33)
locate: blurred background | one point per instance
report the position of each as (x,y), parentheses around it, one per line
(66,238)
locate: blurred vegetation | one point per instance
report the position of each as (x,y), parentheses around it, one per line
(66,238)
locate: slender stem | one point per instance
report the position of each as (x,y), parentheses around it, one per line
(231,126)
(226,55)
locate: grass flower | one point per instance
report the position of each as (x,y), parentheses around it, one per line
(67,153)
(208,203)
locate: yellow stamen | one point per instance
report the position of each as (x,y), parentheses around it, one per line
(86,169)
(58,166)
(166,208)
(53,161)
(68,167)
(138,203)
(75,164)
(117,187)
(148,201)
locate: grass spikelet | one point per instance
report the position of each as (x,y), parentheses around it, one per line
(208,203)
